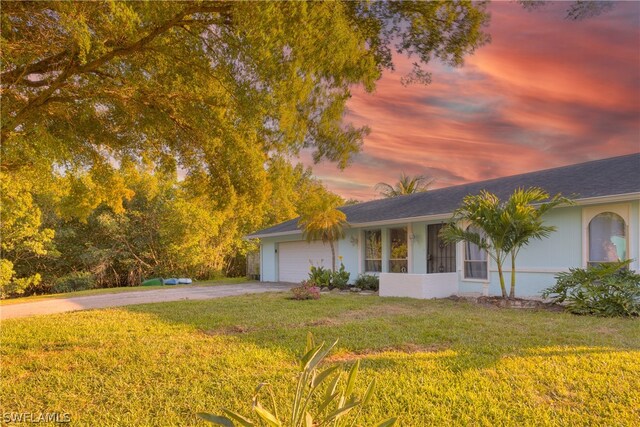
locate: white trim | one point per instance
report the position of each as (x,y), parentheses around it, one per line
(628,197)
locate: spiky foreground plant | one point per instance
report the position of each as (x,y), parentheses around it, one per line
(320,398)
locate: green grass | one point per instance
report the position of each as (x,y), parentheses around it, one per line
(101,291)
(435,362)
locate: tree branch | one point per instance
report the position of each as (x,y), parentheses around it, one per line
(43,66)
(74,69)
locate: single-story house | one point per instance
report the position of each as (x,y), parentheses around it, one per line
(397,238)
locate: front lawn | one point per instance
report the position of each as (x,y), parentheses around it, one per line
(435,362)
(101,291)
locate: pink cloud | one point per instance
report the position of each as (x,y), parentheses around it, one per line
(546,92)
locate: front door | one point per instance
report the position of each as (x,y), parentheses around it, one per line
(441,256)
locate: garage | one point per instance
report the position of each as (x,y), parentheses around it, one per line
(294,259)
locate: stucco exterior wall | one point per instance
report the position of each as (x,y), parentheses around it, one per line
(539,262)
(536,265)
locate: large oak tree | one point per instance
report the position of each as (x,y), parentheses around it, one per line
(85,82)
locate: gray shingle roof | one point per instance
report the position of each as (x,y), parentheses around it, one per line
(606,177)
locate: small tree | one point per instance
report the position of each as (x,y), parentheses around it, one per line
(323,221)
(405,185)
(502,228)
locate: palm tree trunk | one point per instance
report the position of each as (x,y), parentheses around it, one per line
(512,294)
(333,256)
(503,287)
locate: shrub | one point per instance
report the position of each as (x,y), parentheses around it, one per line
(603,290)
(11,286)
(368,282)
(340,278)
(314,404)
(306,290)
(320,276)
(76,281)
(326,278)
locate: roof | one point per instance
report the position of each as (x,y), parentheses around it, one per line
(598,178)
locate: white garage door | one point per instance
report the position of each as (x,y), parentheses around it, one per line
(294,259)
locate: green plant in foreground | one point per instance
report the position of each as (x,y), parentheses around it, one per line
(313,405)
(608,289)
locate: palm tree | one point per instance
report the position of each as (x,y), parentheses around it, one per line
(406,185)
(502,228)
(324,222)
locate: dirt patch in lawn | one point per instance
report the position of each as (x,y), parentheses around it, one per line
(383,310)
(323,322)
(406,348)
(366,313)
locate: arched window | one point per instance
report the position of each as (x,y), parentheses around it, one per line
(475,260)
(607,238)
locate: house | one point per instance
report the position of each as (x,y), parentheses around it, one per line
(398,239)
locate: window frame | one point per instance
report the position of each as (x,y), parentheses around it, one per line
(406,259)
(364,246)
(464,261)
(589,213)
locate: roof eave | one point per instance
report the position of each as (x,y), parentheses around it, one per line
(444,216)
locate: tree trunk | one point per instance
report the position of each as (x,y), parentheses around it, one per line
(333,256)
(512,294)
(503,288)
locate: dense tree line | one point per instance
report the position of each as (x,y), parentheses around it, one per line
(164,225)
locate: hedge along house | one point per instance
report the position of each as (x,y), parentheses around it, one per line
(398,238)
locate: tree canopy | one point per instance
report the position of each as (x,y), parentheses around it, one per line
(86,82)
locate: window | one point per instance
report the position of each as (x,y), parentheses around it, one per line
(607,238)
(398,253)
(373,250)
(475,260)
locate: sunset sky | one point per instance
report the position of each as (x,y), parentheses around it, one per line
(546,92)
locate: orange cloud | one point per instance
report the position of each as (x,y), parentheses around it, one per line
(546,92)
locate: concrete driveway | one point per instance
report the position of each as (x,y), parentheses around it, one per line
(61,305)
